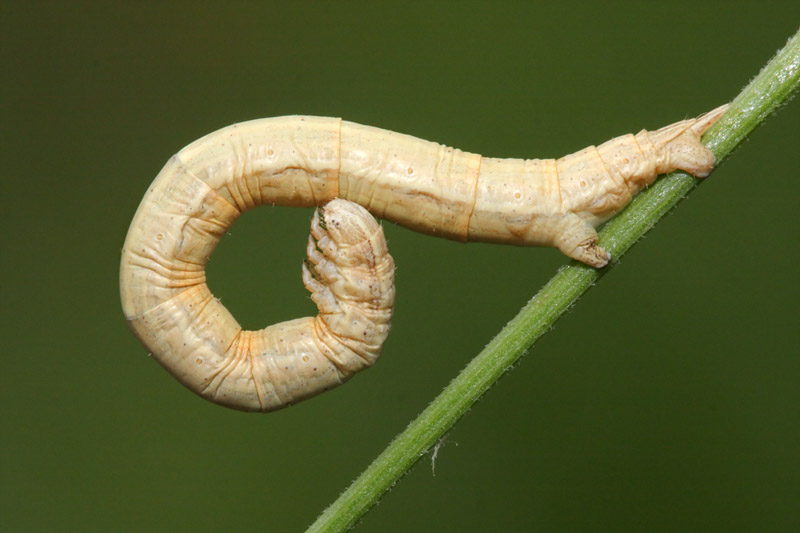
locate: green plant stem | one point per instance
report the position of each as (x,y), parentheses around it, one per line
(772,87)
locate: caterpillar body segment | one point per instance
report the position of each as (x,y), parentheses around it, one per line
(560,202)
(341,166)
(172,311)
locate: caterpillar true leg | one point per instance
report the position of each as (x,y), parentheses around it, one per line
(307,161)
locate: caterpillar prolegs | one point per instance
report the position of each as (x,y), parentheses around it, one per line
(341,166)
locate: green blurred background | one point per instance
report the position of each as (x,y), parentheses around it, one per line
(668,399)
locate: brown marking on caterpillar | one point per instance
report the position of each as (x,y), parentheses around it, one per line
(308,161)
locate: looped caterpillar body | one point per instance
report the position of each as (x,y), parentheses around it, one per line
(327,162)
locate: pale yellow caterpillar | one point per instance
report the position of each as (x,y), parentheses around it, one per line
(308,161)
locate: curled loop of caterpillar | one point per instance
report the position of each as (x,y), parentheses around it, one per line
(350,171)
(351,278)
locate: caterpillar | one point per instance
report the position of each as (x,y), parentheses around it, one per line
(349,171)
